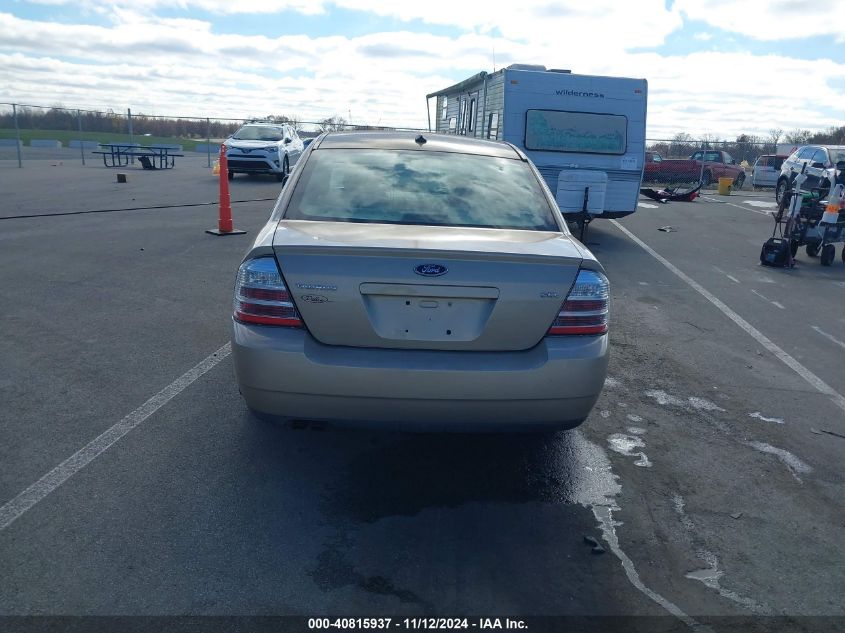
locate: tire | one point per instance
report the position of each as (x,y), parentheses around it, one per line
(812,249)
(230,174)
(793,248)
(843,254)
(780,189)
(739,181)
(706,179)
(282,176)
(828,254)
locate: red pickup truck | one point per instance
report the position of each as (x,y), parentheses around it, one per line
(717,164)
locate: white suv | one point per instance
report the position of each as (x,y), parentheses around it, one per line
(263,147)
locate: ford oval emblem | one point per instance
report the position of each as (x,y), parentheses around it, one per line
(430,270)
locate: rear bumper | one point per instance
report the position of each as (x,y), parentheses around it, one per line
(286,372)
(764,180)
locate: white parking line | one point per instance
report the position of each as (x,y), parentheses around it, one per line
(820,385)
(828,336)
(722,272)
(765,298)
(761,203)
(731,204)
(96,447)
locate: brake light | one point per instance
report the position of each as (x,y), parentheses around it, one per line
(585,309)
(261,295)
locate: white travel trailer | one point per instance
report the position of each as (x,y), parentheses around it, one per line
(585,134)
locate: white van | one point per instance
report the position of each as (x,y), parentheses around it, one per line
(585,134)
(766,170)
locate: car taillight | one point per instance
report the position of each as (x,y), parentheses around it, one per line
(585,309)
(262,297)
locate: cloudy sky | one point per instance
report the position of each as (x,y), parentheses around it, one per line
(718,67)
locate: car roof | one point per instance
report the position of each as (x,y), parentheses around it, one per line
(409,141)
(822,146)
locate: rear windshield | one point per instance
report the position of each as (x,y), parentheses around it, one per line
(712,157)
(774,162)
(420,187)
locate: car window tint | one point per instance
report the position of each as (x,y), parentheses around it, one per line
(837,155)
(820,156)
(420,187)
(777,162)
(806,153)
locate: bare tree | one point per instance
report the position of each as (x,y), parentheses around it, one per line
(746,147)
(333,124)
(682,145)
(294,120)
(774,135)
(797,137)
(832,135)
(709,140)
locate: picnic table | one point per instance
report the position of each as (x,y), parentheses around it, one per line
(150,156)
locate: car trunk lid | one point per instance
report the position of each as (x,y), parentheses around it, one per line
(424,287)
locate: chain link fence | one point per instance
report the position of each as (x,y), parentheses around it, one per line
(37,133)
(687,162)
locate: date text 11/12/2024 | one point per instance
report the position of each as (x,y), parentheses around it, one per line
(416,623)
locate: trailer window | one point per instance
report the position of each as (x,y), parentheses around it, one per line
(582,132)
(445,108)
(471,121)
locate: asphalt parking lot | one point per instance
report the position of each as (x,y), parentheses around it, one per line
(710,470)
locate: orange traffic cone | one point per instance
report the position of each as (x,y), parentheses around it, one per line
(224,223)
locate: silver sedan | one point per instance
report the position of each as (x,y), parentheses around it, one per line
(424,281)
